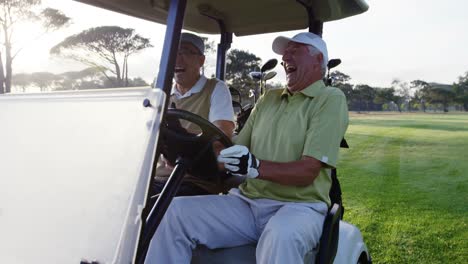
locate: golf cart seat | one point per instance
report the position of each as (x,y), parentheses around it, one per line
(324,254)
(242,112)
(235,93)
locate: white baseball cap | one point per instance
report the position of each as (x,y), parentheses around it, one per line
(280,43)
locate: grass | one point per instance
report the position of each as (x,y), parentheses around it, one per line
(405,185)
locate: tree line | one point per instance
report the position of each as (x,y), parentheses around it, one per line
(417,95)
(89,78)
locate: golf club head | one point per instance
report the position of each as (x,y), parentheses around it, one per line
(269,75)
(333,63)
(270,64)
(255,75)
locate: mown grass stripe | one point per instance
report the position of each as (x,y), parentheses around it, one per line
(404,183)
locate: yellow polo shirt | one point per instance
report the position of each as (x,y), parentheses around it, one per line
(283,127)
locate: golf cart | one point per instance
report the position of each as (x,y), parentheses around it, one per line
(76,166)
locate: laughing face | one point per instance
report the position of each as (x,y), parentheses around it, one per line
(302,68)
(188,64)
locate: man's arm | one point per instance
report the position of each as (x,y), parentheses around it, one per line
(221,110)
(239,161)
(320,149)
(226,126)
(296,173)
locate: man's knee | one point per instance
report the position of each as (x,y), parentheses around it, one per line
(284,234)
(304,229)
(177,210)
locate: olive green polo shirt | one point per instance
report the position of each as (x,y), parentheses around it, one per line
(283,127)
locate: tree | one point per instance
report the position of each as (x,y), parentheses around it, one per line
(21,80)
(339,78)
(14,12)
(402,93)
(461,91)
(441,94)
(209,48)
(421,94)
(209,45)
(364,95)
(138,81)
(109,83)
(239,64)
(89,78)
(106,48)
(388,95)
(43,80)
(92,78)
(274,86)
(341,81)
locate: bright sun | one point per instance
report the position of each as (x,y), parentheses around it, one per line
(30,43)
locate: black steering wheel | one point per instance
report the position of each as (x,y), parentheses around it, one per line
(195,149)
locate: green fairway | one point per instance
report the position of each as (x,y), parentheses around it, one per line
(405,185)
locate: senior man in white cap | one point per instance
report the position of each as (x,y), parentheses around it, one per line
(286,151)
(208,98)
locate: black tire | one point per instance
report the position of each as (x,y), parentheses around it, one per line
(363,259)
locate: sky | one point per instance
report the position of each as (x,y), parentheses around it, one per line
(407,40)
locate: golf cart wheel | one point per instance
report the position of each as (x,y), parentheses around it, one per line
(363,259)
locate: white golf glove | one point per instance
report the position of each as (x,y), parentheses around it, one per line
(239,161)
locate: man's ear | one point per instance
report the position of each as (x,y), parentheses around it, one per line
(320,58)
(202,60)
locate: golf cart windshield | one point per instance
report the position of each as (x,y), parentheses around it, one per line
(73,173)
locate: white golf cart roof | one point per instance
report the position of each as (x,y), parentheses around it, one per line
(241,17)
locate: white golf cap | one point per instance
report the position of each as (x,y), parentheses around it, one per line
(194,40)
(280,43)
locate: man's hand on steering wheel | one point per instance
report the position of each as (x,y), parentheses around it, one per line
(239,161)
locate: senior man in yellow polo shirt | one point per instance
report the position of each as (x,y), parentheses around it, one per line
(286,151)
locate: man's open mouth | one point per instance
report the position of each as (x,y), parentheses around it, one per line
(289,68)
(179,69)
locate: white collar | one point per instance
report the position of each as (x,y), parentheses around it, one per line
(195,89)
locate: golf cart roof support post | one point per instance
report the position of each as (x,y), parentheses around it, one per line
(223,46)
(175,20)
(226,40)
(315,26)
